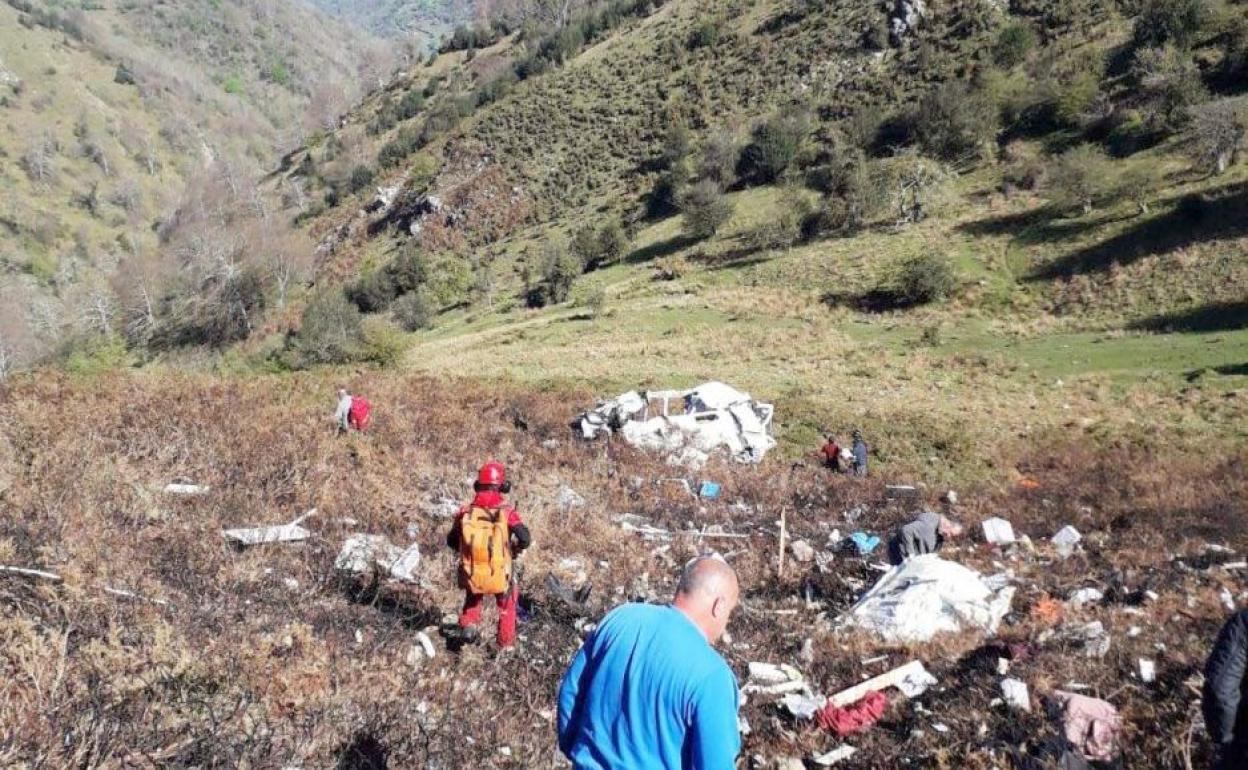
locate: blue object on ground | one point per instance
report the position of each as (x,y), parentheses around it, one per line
(864,542)
(708,490)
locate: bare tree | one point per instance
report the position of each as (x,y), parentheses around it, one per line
(39,162)
(1217,136)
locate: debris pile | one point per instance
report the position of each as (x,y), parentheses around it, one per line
(926,595)
(361,553)
(711,417)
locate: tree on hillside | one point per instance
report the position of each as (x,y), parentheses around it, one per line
(718,159)
(774,145)
(1081,178)
(1171,84)
(953,122)
(1217,135)
(1177,22)
(330,330)
(705,209)
(1014,42)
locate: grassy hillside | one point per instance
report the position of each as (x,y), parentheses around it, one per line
(1087,265)
(111,112)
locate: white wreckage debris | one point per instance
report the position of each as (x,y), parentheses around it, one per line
(282,533)
(713,416)
(360,552)
(188,490)
(926,595)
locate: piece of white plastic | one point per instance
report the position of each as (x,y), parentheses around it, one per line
(1014,691)
(1066,540)
(189,490)
(839,754)
(925,596)
(1148,670)
(998,531)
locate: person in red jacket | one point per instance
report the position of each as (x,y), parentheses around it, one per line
(487,504)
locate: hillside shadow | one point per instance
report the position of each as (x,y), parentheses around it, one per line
(1034,226)
(660,249)
(1215,317)
(1194,220)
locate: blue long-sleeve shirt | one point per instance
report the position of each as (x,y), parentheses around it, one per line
(648,691)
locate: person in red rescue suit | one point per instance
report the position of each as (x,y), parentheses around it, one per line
(490,487)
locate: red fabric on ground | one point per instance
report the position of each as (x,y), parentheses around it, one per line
(853,718)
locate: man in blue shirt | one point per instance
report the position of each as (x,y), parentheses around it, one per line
(647,690)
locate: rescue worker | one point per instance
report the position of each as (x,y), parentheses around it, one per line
(1224,704)
(353,412)
(831,452)
(488,533)
(647,688)
(926,534)
(859,467)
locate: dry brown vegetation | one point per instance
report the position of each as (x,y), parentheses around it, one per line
(224,662)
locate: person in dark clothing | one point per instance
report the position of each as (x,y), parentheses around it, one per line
(859,467)
(1224,702)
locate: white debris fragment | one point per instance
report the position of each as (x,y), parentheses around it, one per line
(770,673)
(803,706)
(898,677)
(1148,670)
(285,533)
(189,490)
(360,552)
(927,595)
(1086,596)
(1227,598)
(1093,636)
(714,416)
(998,531)
(291,583)
(789,763)
(803,553)
(426,644)
(916,682)
(830,758)
(1066,541)
(1003,666)
(1014,691)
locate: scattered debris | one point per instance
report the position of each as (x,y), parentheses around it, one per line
(283,533)
(901,492)
(926,595)
(998,531)
(1091,724)
(1066,541)
(715,416)
(864,543)
(802,551)
(1086,596)
(1148,670)
(789,763)
(1015,693)
(361,552)
(709,490)
(187,489)
(912,672)
(803,706)
(1092,635)
(839,754)
(574,600)
(770,679)
(426,644)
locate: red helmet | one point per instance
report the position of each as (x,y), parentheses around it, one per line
(492,474)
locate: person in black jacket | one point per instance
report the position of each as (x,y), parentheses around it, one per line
(1224,703)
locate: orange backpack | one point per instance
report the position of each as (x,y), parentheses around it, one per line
(485,551)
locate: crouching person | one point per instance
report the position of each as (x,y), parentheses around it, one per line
(926,534)
(647,689)
(353,412)
(488,533)
(1224,704)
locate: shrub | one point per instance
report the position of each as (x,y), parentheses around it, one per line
(410,105)
(774,146)
(413,311)
(612,243)
(705,34)
(560,269)
(330,330)
(924,279)
(676,145)
(664,198)
(1076,96)
(705,209)
(1014,42)
(1180,22)
(1171,84)
(383,344)
(952,122)
(1080,179)
(123,76)
(232,85)
(361,177)
(718,159)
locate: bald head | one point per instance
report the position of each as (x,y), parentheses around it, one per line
(708,593)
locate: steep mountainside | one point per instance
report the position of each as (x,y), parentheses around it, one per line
(110,111)
(427,19)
